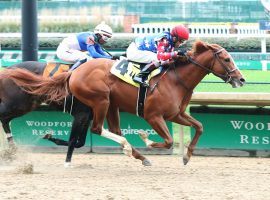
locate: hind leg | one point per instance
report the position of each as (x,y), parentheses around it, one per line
(114,126)
(6,127)
(77,138)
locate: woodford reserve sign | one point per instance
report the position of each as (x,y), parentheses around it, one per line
(30,128)
(233,128)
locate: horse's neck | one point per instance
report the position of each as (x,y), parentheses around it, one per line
(191,75)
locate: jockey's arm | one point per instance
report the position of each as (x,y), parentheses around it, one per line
(162,50)
(94,53)
(101,51)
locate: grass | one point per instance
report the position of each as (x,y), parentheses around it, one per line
(255,83)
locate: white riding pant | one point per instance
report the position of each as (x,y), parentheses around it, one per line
(136,55)
(69,50)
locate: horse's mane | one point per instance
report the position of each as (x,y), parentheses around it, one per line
(199,47)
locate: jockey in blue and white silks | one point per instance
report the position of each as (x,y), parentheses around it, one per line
(83,45)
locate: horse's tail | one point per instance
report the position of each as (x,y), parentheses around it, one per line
(51,88)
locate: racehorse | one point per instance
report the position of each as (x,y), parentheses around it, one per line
(170,93)
(15,102)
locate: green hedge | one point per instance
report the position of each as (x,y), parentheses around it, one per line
(230,44)
(55,27)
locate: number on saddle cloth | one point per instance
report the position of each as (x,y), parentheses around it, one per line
(126,70)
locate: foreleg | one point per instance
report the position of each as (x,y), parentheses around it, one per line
(159,125)
(113,120)
(100,112)
(186,120)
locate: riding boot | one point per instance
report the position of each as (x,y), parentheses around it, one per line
(77,64)
(142,76)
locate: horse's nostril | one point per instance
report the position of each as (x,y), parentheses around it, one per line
(242,80)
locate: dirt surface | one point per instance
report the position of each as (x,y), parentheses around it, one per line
(111,176)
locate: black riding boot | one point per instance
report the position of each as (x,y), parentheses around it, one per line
(142,76)
(77,64)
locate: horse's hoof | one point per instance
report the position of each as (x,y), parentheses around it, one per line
(143,135)
(185,159)
(127,150)
(13,148)
(47,136)
(146,162)
(68,165)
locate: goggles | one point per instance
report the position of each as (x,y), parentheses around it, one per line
(182,41)
(105,38)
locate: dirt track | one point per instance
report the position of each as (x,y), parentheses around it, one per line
(113,177)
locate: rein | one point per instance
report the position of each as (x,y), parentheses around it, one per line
(164,73)
(226,77)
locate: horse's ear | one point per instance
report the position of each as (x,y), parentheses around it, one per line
(213,47)
(199,47)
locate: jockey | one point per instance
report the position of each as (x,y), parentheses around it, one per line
(153,49)
(78,48)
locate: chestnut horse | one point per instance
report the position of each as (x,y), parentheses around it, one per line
(14,102)
(95,86)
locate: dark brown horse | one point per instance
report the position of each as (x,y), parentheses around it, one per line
(95,86)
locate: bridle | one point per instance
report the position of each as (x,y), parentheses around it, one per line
(227,77)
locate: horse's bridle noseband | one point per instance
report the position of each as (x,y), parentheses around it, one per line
(227,77)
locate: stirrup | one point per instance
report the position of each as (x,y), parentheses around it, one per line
(137,79)
(144,84)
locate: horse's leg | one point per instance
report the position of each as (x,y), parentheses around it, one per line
(56,141)
(100,111)
(78,134)
(6,127)
(159,125)
(114,127)
(187,120)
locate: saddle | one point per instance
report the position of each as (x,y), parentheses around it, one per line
(126,70)
(55,68)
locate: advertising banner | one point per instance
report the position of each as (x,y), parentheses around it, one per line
(233,128)
(30,129)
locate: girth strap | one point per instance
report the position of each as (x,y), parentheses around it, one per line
(140,101)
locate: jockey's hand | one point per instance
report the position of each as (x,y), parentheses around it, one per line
(115,57)
(182,52)
(183,55)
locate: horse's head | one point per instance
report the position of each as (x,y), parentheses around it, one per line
(220,63)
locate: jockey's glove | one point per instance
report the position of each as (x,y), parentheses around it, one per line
(115,57)
(182,52)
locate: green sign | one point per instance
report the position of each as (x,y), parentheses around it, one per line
(251,64)
(243,129)
(29,129)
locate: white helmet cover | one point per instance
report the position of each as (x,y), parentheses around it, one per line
(103,29)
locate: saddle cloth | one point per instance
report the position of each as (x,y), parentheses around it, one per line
(55,68)
(126,70)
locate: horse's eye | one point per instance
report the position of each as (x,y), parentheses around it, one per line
(227,59)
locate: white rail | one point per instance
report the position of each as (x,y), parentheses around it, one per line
(231,98)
